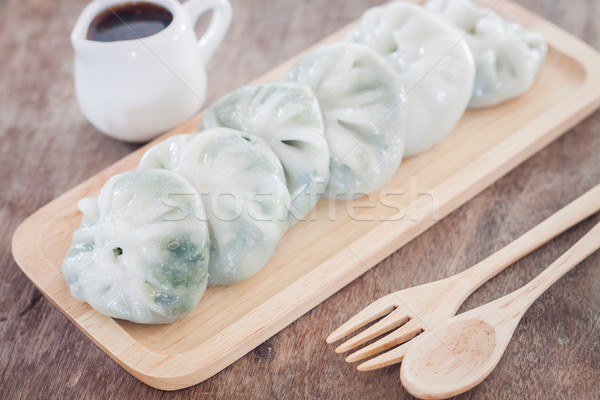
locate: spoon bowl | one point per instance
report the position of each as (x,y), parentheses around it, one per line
(458,357)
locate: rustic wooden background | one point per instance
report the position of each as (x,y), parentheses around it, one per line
(47,147)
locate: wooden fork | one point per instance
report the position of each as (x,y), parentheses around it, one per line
(411,311)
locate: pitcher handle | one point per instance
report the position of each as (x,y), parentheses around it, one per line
(218,26)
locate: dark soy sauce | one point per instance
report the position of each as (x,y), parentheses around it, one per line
(129,21)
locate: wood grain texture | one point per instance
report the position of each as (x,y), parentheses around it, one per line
(337,243)
(47,148)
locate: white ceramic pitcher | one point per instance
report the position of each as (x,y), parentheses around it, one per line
(134,90)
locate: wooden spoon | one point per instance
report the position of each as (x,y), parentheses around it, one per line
(460,353)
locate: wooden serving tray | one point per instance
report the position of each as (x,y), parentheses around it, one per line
(341,241)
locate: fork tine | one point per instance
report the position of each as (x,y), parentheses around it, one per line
(391,321)
(393,356)
(375,310)
(402,334)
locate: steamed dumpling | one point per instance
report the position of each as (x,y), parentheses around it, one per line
(434,64)
(288,117)
(136,256)
(363,103)
(242,184)
(508,57)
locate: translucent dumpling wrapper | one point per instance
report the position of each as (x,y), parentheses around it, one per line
(433,62)
(508,57)
(135,256)
(288,117)
(363,104)
(242,185)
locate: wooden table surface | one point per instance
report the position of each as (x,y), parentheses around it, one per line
(47,147)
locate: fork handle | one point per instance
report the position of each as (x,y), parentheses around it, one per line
(568,216)
(587,245)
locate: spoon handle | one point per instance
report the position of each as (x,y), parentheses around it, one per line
(573,213)
(526,295)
